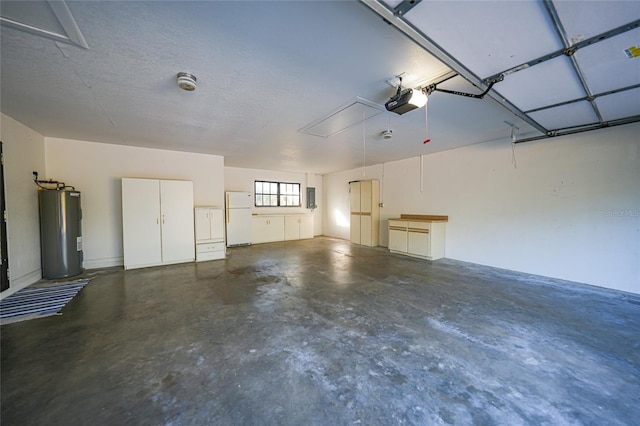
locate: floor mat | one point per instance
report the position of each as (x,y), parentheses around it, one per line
(38,301)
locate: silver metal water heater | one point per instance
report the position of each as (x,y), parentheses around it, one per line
(60,233)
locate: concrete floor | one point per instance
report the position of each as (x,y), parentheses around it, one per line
(324,332)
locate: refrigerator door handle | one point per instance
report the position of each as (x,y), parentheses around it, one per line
(228,215)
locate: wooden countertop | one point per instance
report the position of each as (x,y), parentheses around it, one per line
(422,218)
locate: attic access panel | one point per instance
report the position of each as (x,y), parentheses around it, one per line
(343,118)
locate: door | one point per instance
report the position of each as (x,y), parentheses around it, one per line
(216,218)
(365,196)
(306,226)
(354,196)
(176,208)
(238,227)
(366,231)
(239,200)
(291,228)
(354,228)
(4,252)
(203,225)
(141,222)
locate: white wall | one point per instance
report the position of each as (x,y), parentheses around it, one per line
(23,153)
(96,169)
(570,210)
(336,199)
(240,179)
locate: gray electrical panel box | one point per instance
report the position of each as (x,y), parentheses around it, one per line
(311,198)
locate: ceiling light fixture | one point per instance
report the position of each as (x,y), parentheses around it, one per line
(187,81)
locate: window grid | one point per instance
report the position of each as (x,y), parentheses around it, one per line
(277,194)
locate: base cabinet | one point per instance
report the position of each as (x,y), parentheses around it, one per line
(266,229)
(272,228)
(209,233)
(421,239)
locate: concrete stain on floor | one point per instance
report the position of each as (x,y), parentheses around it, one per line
(323,332)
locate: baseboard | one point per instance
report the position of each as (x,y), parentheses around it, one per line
(103,263)
(22,282)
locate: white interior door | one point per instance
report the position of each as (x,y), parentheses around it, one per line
(141,222)
(176,202)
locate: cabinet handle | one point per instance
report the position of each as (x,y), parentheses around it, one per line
(157,221)
(163,221)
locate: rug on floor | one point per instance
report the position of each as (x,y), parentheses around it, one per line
(38,301)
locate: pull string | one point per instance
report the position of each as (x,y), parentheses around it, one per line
(426,122)
(364,145)
(514,162)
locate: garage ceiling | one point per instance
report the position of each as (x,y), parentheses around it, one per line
(299,86)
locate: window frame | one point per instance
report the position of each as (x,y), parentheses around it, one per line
(278,194)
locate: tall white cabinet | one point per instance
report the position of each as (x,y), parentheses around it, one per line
(365,212)
(209,233)
(157,222)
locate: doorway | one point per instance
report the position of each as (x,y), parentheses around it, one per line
(4,255)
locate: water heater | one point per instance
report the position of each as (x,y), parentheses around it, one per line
(60,233)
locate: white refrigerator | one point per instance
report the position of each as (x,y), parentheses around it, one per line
(238,218)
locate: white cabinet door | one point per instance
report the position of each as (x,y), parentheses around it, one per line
(354,197)
(398,240)
(291,228)
(365,196)
(216,217)
(203,224)
(419,244)
(366,231)
(276,228)
(259,230)
(141,222)
(176,206)
(306,226)
(354,228)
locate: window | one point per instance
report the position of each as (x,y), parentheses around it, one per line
(277,194)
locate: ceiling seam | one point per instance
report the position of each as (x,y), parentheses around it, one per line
(585,98)
(557,23)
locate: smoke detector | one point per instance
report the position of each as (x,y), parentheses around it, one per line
(387,134)
(187,81)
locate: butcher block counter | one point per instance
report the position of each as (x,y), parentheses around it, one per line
(420,236)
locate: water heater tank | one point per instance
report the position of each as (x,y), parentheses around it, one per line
(60,233)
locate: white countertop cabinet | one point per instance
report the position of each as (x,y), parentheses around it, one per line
(421,238)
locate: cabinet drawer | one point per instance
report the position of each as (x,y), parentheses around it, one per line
(210,255)
(420,227)
(398,224)
(203,248)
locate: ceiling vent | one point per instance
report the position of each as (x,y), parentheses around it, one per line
(187,81)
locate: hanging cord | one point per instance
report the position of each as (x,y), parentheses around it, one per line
(514,162)
(364,146)
(426,122)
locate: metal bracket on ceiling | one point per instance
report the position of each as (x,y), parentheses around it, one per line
(434,88)
(405,6)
